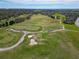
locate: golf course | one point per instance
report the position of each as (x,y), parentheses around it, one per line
(55,40)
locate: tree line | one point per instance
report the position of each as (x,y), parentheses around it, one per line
(8,16)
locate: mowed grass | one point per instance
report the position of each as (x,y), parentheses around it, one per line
(37,23)
(71,27)
(73,37)
(8,38)
(55,47)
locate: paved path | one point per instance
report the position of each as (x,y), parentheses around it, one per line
(18,43)
(21,39)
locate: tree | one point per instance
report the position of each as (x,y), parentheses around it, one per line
(6,23)
(11,22)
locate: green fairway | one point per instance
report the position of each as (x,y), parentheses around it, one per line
(37,23)
(59,45)
(71,27)
(74,38)
(56,43)
(8,38)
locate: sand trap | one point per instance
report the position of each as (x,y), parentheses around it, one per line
(33,42)
(30,36)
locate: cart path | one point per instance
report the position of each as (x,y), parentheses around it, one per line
(18,43)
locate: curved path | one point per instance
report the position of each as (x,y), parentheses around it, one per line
(18,43)
(21,39)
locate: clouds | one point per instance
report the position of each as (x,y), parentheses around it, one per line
(43,1)
(39,4)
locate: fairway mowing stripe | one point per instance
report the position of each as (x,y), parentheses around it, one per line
(18,43)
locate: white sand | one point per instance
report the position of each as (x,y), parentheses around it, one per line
(30,36)
(33,42)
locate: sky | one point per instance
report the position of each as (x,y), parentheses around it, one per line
(40,4)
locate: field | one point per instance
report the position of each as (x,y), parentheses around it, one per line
(71,27)
(37,23)
(57,43)
(8,38)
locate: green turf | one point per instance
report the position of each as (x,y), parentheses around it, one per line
(8,38)
(73,37)
(71,27)
(55,47)
(37,23)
